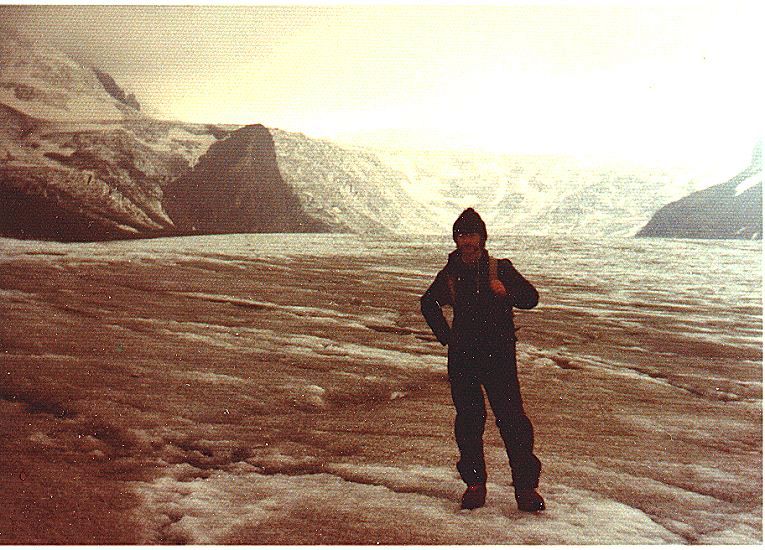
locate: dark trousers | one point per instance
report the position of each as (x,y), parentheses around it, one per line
(469,374)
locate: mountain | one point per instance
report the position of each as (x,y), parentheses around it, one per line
(350,188)
(79,160)
(730,210)
(76,162)
(236,187)
(47,84)
(91,181)
(540,194)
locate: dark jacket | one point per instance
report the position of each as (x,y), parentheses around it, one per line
(482,320)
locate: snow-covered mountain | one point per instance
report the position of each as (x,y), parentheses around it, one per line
(543,195)
(76,161)
(351,189)
(80,161)
(730,210)
(45,83)
(91,181)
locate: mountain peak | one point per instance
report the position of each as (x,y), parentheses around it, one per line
(45,83)
(236,187)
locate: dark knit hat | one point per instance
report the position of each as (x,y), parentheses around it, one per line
(469,222)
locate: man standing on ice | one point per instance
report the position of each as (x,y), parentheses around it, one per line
(482,292)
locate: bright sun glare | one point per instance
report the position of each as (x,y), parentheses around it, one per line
(672,81)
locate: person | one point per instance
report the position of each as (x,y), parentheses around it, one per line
(481,356)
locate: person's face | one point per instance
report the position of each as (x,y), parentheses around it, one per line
(469,245)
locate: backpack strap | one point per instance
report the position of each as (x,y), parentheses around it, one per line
(450,281)
(493,269)
(452,288)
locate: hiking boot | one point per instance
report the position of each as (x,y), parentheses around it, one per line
(474,497)
(529,500)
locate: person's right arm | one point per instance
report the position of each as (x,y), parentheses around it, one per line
(431,303)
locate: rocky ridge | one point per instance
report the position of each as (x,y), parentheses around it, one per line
(237,188)
(91,181)
(729,210)
(115,91)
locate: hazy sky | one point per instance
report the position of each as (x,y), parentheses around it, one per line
(666,80)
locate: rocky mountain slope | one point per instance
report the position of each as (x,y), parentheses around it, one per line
(350,189)
(78,160)
(237,188)
(45,83)
(91,181)
(730,210)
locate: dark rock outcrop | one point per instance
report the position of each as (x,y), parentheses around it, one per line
(115,91)
(730,210)
(53,217)
(237,188)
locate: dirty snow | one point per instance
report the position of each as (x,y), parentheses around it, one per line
(269,389)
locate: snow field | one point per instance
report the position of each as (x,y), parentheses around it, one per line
(237,402)
(420,507)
